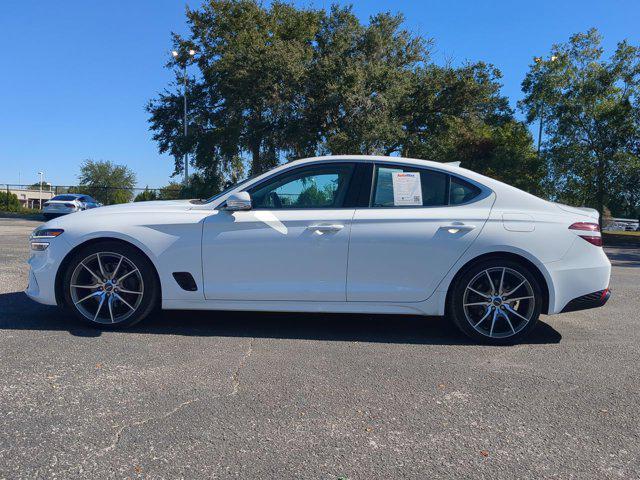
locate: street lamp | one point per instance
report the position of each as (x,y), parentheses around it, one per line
(553,58)
(40,196)
(175,55)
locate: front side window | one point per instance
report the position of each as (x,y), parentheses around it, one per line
(322,186)
(405,186)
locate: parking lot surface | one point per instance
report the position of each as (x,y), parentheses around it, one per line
(254,395)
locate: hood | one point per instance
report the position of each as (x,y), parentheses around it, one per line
(587,212)
(156,206)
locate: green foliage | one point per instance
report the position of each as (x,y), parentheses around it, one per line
(9,202)
(172,191)
(282,82)
(146,195)
(106,182)
(590,108)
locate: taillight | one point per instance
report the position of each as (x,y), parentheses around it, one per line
(592,239)
(70,205)
(588,227)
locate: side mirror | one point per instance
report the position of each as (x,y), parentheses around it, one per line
(238,201)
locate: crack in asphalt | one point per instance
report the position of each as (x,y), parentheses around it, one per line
(121,430)
(235,376)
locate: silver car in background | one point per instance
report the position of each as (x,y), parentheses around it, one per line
(68,203)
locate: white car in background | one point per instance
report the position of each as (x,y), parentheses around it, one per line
(67,203)
(332,234)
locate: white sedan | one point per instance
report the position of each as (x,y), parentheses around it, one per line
(357,234)
(66,204)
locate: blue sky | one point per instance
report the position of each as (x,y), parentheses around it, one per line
(76,75)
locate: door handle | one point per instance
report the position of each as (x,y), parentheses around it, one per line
(325,228)
(458,227)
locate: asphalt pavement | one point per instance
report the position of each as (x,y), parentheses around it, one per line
(255,395)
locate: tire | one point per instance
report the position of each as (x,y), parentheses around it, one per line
(110,285)
(477,297)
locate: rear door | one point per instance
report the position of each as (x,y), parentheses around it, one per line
(418,223)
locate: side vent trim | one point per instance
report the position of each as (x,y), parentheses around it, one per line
(186,281)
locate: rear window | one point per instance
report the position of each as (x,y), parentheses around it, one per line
(408,186)
(461,191)
(64,198)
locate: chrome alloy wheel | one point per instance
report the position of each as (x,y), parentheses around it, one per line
(106,287)
(499,302)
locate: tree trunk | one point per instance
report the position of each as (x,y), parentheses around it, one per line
(255,157)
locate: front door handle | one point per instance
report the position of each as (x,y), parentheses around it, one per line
(325,228)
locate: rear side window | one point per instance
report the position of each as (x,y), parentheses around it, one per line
(461,191)
(402,186)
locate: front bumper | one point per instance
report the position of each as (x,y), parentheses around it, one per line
(590,300)
(43,267)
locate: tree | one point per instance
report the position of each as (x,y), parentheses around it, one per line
(9,202)
(106,182)
(459,114)
(172,191)
(146,195)
(279,82)
(589,109)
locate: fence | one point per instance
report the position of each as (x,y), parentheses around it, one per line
(33,197)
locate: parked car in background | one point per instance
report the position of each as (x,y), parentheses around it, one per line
(68,203)
(351,234)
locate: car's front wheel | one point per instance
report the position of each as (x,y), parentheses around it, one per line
(496,301)
(110,284)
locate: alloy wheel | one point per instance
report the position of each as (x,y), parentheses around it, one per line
(106,287)
(499,302)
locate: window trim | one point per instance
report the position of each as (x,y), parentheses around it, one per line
(484,191)
(309,166)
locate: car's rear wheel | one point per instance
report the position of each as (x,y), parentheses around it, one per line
(110,284)
(496,301)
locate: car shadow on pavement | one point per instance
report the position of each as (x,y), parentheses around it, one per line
(17,312)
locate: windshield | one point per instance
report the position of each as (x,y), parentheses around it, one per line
(64,198)
(227,190)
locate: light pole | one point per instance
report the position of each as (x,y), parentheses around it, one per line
(40,196)
(175,54)
(553,58)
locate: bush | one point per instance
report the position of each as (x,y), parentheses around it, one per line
(146,195)
(10,205)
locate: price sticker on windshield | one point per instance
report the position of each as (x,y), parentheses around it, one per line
(407,189)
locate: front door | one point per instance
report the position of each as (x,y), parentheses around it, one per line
(292,245)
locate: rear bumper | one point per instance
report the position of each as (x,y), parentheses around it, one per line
(590,300)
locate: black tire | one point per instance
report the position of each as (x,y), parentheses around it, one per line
(136,310)
(507,331)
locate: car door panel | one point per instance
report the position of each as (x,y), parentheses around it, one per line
(296,255)
(400,255)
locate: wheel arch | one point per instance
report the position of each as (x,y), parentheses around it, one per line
(535,270)
(92,241)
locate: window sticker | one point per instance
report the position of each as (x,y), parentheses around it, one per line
(407,189)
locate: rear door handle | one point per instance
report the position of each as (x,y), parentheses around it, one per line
(325,228)
(458,227)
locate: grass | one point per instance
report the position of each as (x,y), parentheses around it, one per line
(30,214)
(621,238)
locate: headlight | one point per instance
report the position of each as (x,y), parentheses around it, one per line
(43,233)
(46,233)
